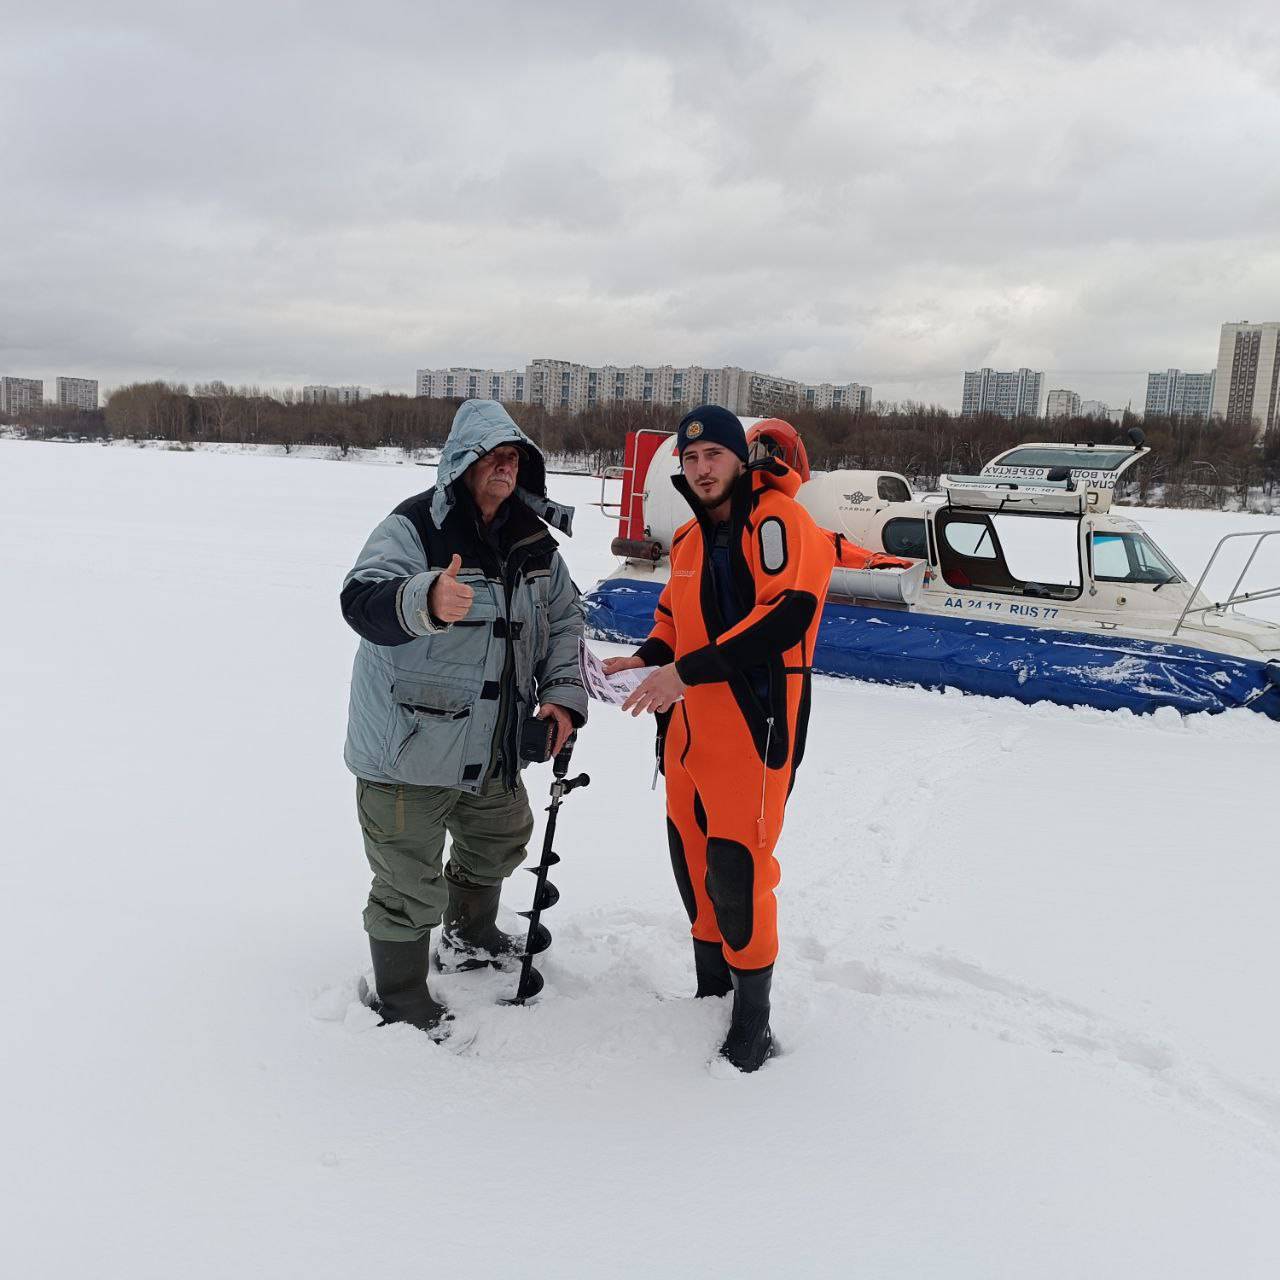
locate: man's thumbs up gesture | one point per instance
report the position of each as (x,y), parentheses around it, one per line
(449,600)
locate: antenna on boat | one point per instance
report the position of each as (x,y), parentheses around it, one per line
(1136,437)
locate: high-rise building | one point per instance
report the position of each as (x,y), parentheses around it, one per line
(1248,375)
(1010,395)
(563,384)
(1062,404)
(77,393)
(19,394)
(1177,394)
(318,394)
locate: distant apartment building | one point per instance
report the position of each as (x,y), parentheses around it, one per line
(1100,409)
(850,395)
(1010,395)
(1062,404)
(20,394)
(467,383)
(1247,379)
(1177,394)
(77,393)
(334,395)
(564,384)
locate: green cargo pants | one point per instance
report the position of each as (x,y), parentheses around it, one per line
(404,829)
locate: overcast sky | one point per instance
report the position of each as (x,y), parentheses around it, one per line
(281,193)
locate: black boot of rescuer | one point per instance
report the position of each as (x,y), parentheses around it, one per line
(749,1044)
(400,979)
(471,938)
(712,969)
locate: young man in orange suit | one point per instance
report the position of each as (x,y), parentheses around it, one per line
(733,640)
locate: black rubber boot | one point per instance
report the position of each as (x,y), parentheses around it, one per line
(749,1044)
(400,977)
(712,969)
(471,938)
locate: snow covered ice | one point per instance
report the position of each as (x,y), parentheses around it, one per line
(1026,991)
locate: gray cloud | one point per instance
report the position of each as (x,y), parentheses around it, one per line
(887,192)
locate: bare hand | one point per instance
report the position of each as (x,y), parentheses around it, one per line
(564,724)
(611,665)
(450,600)
(658,692)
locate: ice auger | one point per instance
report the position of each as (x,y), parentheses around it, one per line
(545,894)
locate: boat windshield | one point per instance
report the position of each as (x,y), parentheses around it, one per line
(1129,557)
(1080,456)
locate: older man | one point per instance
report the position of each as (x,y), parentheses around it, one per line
(469,626)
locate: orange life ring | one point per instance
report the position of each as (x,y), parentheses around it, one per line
(784,441)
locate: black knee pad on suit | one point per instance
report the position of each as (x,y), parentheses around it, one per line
(730,885)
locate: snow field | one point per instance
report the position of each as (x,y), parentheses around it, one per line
(1026,991)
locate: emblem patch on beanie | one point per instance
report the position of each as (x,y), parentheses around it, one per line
(693,431)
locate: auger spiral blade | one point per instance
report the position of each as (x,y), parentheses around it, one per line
(546,895)
(539,936)
(529,985)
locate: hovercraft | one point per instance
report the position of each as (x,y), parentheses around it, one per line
(1021,583)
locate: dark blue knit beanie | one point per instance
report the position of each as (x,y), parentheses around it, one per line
(710,424)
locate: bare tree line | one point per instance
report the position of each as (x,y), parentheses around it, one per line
(1193,463)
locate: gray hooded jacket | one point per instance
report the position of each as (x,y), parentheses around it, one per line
(443,705)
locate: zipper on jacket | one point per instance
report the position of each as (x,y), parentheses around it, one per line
(443,712)
(764,781)
(400,750)
(501,746)
(504,738)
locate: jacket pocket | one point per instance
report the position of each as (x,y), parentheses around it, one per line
(431,731)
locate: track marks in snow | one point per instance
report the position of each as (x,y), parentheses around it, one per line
(877,872)
(617,1002)
(949,988)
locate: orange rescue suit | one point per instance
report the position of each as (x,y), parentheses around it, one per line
(730,754)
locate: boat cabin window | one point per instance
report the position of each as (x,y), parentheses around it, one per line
(1129,557)
(904,537)
(971,538)
(891,489)
(1021,555)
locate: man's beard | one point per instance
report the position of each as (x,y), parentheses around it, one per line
(714,500)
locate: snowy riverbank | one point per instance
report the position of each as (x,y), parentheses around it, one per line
(1026,989)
